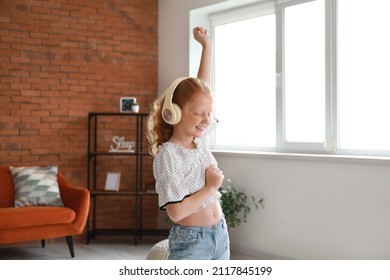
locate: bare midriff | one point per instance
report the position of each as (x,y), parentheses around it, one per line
(208,216)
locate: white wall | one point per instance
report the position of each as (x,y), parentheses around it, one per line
(315,207)
(173,41)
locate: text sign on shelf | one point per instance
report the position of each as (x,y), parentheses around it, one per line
(121,145)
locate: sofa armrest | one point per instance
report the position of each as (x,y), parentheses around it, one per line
(78,199)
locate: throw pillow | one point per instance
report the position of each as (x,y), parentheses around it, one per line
(36,186)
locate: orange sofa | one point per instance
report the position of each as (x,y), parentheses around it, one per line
(42,222)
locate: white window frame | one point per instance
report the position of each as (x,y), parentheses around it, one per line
(330,146)
(282,144)
(231,15)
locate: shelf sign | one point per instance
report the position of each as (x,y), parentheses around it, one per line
(120,145)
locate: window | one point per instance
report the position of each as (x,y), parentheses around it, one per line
(245,70)
(303,76)
(363,61)
(304,72)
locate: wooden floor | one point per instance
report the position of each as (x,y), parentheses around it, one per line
(103,248)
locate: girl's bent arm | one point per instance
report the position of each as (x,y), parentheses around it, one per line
(181,210)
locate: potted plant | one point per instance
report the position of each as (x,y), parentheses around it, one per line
(236,204)
(135,107)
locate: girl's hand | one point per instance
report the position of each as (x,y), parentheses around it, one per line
(214,177)
(200,35)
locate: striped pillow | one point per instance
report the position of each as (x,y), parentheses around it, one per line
(36,186)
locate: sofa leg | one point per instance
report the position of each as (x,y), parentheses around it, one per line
(69,240)
(43,243)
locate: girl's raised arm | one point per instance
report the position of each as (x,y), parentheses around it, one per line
(204,71)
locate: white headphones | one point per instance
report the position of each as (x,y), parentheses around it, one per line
(171,112)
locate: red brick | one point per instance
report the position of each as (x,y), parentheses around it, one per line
(60,60)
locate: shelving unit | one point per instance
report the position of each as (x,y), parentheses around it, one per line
(101,128)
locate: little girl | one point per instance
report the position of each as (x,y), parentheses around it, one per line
(186,173)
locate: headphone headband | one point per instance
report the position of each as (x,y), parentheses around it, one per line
(171,113)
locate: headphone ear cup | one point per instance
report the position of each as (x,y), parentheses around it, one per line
(176,114)
(171,112)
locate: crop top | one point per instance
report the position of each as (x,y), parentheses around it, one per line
(180,172)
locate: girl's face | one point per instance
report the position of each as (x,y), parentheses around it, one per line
(196,116)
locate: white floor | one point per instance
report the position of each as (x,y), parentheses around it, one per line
(103,248)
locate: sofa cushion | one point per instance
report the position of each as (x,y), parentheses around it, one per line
(36,186)
(34,216)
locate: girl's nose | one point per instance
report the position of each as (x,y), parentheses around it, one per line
(206,118)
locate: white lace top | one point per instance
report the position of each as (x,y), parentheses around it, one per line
(180,172)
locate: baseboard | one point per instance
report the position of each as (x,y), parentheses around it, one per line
(257,254)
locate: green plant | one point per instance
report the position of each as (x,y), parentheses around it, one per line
(236,205)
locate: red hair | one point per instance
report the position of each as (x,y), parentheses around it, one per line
(158,131)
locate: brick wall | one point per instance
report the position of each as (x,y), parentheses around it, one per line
(61,59)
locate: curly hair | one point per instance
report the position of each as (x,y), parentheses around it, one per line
(158,131)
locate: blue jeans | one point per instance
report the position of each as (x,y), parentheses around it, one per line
(199,243)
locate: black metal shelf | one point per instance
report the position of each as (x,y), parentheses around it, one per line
(120,193)
(92,154)
(137,193)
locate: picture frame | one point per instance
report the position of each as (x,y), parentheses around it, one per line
(126,104)
(112,181)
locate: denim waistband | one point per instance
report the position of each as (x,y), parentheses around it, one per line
(190,230)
